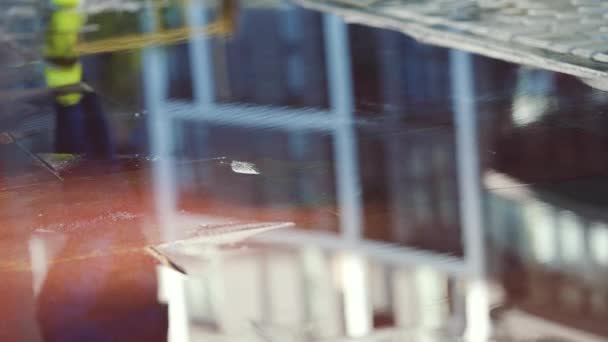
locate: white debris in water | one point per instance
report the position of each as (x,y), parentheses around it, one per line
(121,215)
(220,235)
(83,224)
(244,168)
(42,230)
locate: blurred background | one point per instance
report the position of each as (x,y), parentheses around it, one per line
(188,170)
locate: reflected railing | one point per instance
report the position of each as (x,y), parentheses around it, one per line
(474,295)
(338,121)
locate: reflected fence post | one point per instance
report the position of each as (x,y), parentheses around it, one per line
(160,138)
(357,310)
(467,156)
(345,142)
(173,289)
(200,55)
(201,66)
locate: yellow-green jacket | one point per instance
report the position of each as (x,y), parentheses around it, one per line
(63,66)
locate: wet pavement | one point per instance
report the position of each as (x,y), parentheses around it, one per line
(304,180)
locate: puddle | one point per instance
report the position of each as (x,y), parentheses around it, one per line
(284,176)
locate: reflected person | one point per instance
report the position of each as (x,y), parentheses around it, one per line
(81,126)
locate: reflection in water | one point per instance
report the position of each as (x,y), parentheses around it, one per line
(434,195)
(294,294)
(80,122)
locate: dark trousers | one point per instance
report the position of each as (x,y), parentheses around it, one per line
(83,129)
